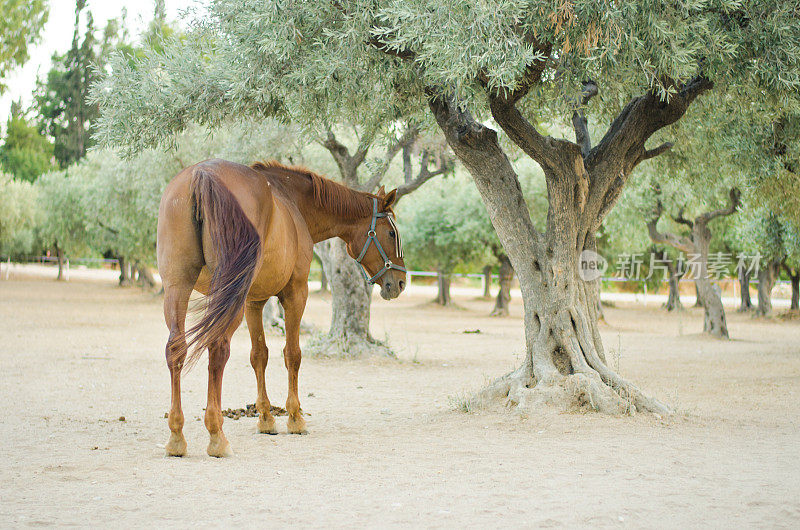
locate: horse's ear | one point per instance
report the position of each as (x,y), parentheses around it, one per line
(389,198)
(381,191)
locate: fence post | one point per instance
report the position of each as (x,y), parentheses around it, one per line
(644,298)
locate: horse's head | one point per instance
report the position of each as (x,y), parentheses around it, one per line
(378,248)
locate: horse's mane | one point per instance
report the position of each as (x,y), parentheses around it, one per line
(328,195)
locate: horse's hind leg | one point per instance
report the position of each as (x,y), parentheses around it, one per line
(176,300)
(218,354)
(259,354)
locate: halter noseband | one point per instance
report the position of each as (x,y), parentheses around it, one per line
(371,237)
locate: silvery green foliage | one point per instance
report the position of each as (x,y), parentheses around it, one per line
(107,203)
(19,215)
(314,62)
(64,218)
(445,227)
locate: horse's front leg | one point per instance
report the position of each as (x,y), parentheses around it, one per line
(293,299)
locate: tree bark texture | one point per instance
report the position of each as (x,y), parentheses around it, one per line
(767,276)
(746,303)
(503,301)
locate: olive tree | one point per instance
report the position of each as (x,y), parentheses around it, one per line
(440,232)
(19,215)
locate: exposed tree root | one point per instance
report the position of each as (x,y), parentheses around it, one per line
(565,371)
(577,392)
(346,346)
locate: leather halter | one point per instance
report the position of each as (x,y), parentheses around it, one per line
(372,238)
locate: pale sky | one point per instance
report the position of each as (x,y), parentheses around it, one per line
(57,37)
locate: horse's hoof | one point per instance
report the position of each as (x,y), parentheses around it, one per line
(176,446)
(267,426)
(219,447)
(296,426)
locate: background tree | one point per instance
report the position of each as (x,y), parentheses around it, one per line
(25,152)
(439,233)
(19,215)
(697,244)
(20,26)
(64,112)
(64,218)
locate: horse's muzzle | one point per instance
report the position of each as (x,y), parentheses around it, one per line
(391,287)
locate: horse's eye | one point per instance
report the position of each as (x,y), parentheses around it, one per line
(392,234)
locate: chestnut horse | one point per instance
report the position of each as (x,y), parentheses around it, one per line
(240,235)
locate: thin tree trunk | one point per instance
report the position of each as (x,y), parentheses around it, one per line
(674,297)
(60,258)
(503,300)
(746,303)
(767,277)
(443,283)
(487,281)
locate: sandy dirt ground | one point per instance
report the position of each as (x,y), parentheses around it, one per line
(387,444)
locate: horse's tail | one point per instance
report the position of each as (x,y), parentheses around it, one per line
(236,247)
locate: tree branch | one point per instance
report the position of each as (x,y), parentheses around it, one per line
(682,220)
(652,153)
(579,121)
(444,165)
(683,244)
(408,137)
(734,200)
(640,119)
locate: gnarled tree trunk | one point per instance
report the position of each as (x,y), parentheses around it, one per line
(767,276)
(503,300)
(350,303)
(746,303)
